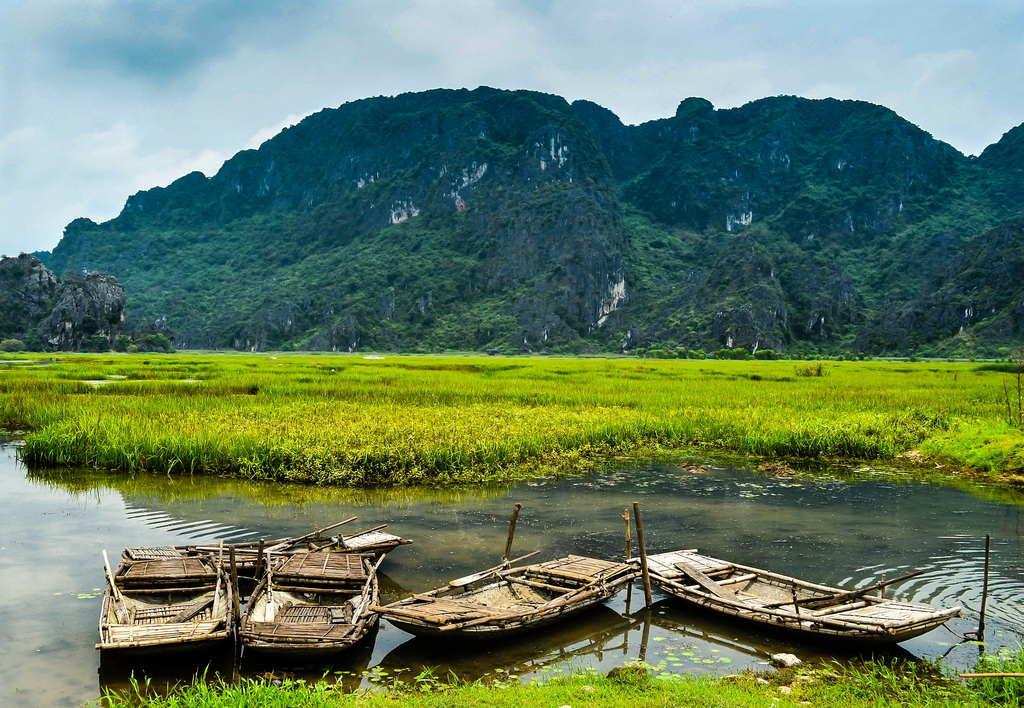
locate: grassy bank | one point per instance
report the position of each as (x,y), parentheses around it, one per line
(436,420)
(876,684)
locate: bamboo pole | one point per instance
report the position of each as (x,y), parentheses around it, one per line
(511,532)
(984,588)
(220,575)
(643,553)
(259,561)
(629,541)
(236,608)
(1000,675)
(120,609)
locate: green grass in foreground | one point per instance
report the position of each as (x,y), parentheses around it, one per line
(875,684)
(334,419)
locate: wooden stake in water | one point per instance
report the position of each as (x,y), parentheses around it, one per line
(236,608)
(629,554)
(511,532)
(629,541)
(259,562)
(984,589)
(643,553)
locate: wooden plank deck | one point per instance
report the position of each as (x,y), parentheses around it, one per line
(165,570)
(320,566)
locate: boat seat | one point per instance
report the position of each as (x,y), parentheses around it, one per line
(307,632)
(579,569)
(165,613)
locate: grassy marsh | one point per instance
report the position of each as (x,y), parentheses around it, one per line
(343,419)
(874,684)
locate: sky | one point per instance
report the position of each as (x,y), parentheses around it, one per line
(102,98)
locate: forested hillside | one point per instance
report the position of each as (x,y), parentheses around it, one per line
(489,219)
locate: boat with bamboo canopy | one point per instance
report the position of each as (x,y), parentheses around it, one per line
(506,601)
(781,602)
(174,617)
(311,604)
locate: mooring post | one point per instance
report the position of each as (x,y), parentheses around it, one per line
(629,541)
(236,606)
(881,590)
(643,553)
(629,554)
(984,589)
(511,532)
(259,562)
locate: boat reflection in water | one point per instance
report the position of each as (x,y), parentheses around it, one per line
(596,633)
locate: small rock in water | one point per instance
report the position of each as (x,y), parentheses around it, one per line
(786,661)
(588,689)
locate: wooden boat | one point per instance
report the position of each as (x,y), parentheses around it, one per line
(311,604)
(506,601)
(169,619)
(251,555)
(779,601)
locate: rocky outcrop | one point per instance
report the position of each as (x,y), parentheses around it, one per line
(27,292)
(86,306)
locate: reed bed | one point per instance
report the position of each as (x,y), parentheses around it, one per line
(341,419)
(874,684)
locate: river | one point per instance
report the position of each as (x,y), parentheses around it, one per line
(837,525)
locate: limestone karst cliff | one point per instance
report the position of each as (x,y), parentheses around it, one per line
(513,220)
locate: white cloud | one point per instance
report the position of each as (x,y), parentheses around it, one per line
(147,104)
(470,38)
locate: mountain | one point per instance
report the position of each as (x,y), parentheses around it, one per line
(513,220)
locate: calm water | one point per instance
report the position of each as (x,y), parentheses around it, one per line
(836,526)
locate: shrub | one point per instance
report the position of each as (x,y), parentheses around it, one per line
(765,354)
(96,343)
(155,343)
(121,343)
(811,370)
(12,345)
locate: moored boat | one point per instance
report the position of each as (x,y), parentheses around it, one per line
(782,602)
(312,604)
(507,601)
(170,619)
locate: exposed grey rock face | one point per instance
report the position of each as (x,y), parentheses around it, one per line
(27,290)
(85,305)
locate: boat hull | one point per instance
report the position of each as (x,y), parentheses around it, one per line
(149,621)
(317,614)
(510,602)
(767,599)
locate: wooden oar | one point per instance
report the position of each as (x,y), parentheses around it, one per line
(299,539)
(366,595)
(459,582)
(216,589)
(820,602)
(269,614)
(120,609)
(699,577)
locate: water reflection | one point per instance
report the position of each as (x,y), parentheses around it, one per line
(839,526)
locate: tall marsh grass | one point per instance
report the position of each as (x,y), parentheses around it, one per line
(432,420)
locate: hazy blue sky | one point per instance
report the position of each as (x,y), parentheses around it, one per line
(102,98)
